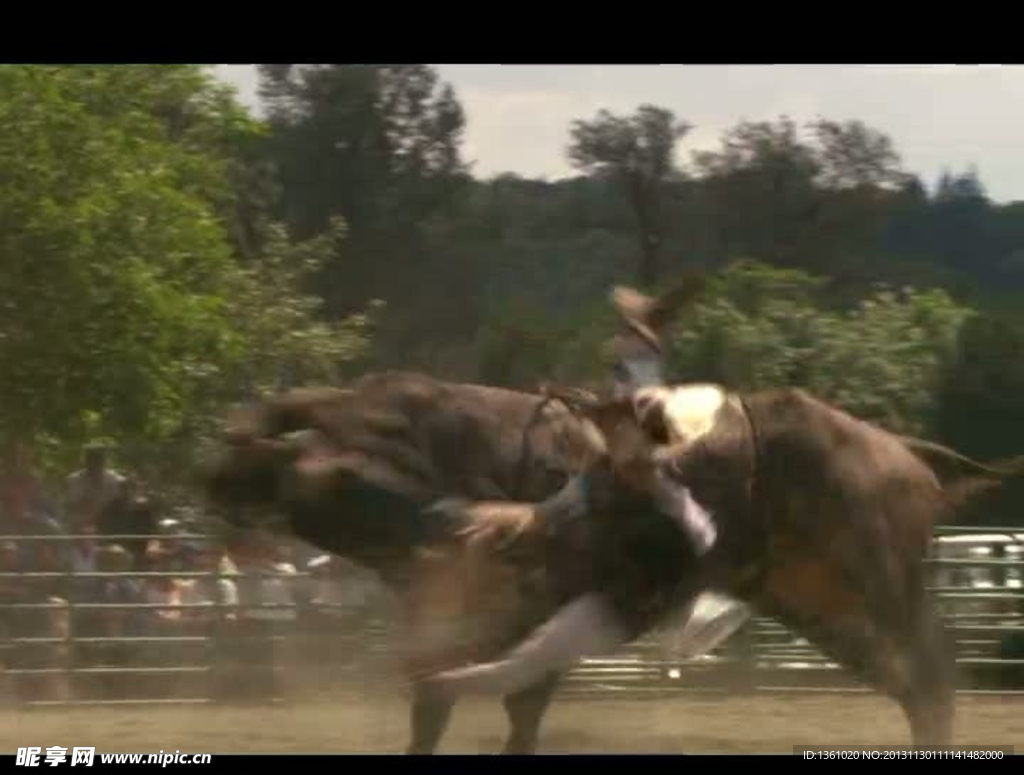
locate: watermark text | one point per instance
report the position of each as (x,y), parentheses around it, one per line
(881,753)
(55,756)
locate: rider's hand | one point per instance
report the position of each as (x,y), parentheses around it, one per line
(503,526)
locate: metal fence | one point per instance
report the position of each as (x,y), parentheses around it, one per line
(66,642)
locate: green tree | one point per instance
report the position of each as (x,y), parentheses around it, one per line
(638,154)
(377,146)
(884,359)
(126,309)
(982,395)
(816,196)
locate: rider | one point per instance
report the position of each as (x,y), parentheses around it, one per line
(644,569)
(640,560)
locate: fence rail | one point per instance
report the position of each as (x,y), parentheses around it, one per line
(69,644)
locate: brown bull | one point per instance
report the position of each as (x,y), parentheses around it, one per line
(400,438)
(823,522)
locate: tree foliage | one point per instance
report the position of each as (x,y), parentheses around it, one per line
(638,154)
(883,359)
(125,303)
(164,253)
(378,146)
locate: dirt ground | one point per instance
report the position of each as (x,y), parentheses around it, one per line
(767,723)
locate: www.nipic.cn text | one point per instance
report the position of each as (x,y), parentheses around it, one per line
(55,755)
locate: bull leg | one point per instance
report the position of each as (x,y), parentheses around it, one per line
(429,717)
(905,657)
(525,711)
(912,673)
(930,701)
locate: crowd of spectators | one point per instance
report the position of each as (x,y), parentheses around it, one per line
(103,595)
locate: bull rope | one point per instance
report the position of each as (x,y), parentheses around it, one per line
(526,447)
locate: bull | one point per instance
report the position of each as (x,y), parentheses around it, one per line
(398,438)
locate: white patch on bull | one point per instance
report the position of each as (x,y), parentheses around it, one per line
(690,411)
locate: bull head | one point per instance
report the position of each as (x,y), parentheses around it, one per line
(263,441)
(244,481)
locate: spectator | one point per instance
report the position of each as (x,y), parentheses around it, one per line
(26,511)
(12,592)
(82,555)
(129,513)
(342,599)
(85,590)
(212,604)
(169,542)
(166,621)
(11,588)
(117,622)
(164,591)
(41,622)
(341,590)
(261,591)
(91,489)
(121,590)
(220,594)
(279,583)
(168,555)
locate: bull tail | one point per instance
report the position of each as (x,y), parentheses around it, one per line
(962,477)
(960,492)
(948,460)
